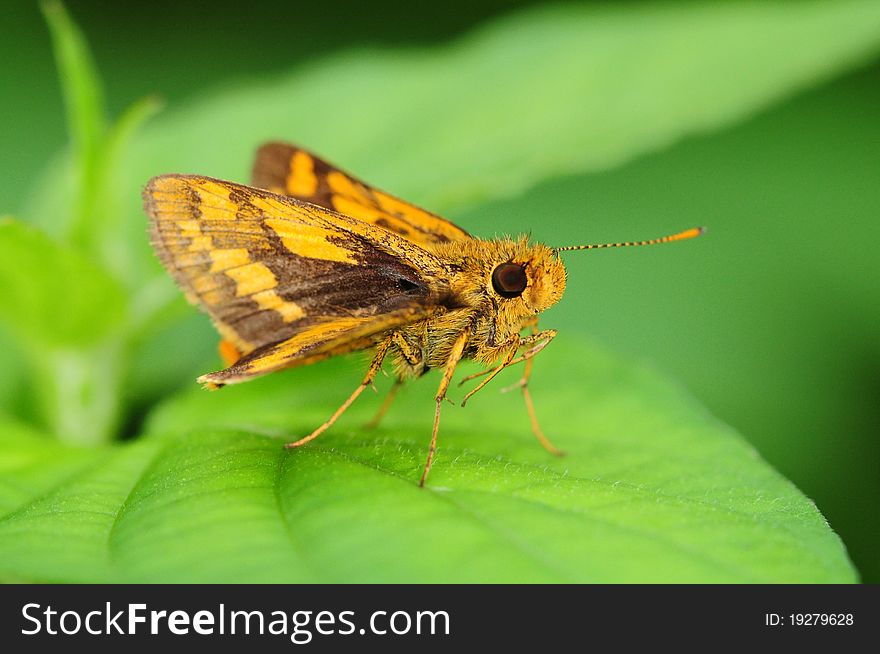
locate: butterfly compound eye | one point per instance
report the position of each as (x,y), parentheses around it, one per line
(509,280)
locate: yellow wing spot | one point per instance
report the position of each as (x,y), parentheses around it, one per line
(355,209)
(302,179)
(213,298)
(168,185)
(221,208)
(204,284)
(252,278)
(200,243)
(310,241)
(271,301)
(223,259)
(188,259)
(395,206)
(342,185)
(314,334)
(416,216)
(189,228)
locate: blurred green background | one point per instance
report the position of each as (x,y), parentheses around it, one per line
(775,327)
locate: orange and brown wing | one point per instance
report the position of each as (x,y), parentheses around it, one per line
(320,340)
(289,170)
(286,282)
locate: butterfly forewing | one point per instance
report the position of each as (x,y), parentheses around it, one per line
(270,270)
(289,170)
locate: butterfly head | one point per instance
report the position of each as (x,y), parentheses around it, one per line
(530,278)
(534,274)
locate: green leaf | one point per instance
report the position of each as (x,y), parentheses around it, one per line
(84,102)
(66,315)
(53,296)
(108,235)
(652,489)
(80,83)
(66,312)
(88,210)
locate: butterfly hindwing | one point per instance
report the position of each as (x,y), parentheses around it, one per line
(320,340)
(271,270)
(289,170)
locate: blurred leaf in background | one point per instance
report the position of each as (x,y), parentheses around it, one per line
(520,103)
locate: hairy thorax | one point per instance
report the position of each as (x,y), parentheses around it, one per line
(492,321)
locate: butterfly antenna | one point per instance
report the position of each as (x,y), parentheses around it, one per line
(681,236)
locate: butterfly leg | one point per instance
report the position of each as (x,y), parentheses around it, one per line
(381,351)
(448,371)
(541,340)
(413,358)
(386,404)
(530,406)
(490,375)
